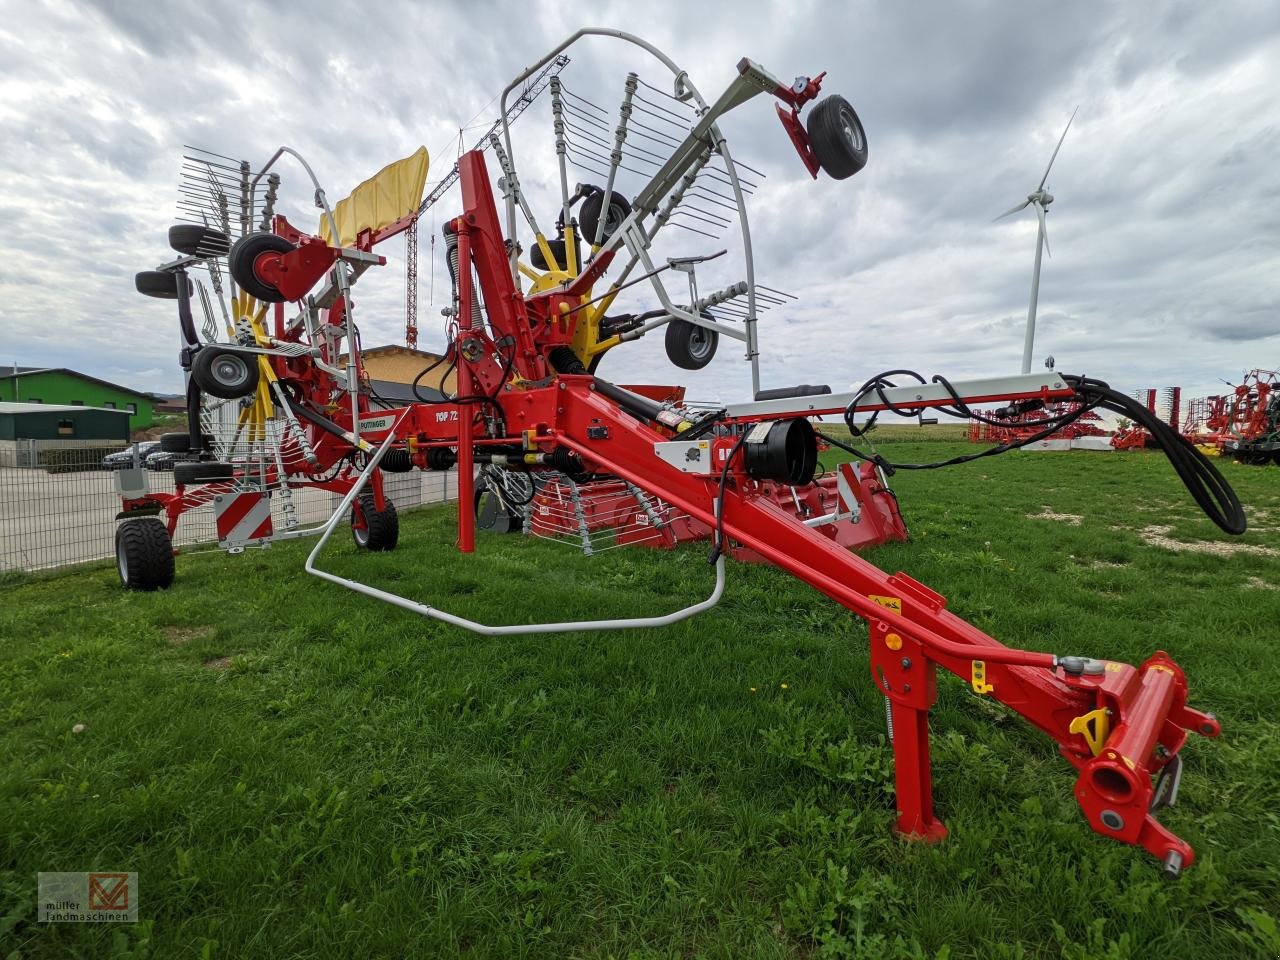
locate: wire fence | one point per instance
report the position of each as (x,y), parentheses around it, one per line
(58,503)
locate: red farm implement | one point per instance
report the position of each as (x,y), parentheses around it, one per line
(543,443)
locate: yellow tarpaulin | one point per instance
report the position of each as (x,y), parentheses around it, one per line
(393,192)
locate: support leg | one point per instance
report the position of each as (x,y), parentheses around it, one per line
(912,778)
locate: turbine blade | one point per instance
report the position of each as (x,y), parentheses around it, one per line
(1057,148)
(1012,210)
(1044,229)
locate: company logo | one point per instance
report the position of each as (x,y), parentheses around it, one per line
(88,897)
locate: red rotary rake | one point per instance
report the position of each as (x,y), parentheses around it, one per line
(545,432)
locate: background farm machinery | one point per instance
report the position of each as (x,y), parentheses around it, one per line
(542,443)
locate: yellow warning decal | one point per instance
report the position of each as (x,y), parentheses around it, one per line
(893,603)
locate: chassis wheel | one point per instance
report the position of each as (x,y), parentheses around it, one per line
(539,262)
(144,554)
(243,262)
(227,374)
(689,346)
(181,442)
(204,471)
(157,283)
(589,216)
(197,241)
(836,135)
(379,530)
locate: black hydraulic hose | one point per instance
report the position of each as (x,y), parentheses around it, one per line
(1206,484)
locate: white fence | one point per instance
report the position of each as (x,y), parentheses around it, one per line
(63,510)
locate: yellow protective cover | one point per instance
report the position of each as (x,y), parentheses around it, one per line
(393,192)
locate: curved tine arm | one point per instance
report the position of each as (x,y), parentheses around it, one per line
(321,200)
(645,45)
(425,610)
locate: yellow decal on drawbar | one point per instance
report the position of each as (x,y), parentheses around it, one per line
(893,603)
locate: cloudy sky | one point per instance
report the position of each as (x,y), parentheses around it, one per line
(1165,231)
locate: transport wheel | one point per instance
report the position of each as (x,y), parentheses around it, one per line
(144,554)
(157,283)
(539,262)
(689,346)
(380,530)
(204,471)
(589,216)
(836,135)
(225,373)
(181,442)
(197,241)
(243,263)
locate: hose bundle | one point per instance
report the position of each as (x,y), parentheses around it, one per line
(1199,475)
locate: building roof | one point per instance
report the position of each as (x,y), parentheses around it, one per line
(11,408)
(9,372)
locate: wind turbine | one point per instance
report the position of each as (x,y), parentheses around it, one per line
(1040,199)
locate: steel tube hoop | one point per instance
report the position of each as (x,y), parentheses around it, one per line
(425,610)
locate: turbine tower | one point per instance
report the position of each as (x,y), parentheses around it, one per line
(1040,199)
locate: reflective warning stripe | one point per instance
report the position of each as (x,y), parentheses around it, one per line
(241,517)
(848,488)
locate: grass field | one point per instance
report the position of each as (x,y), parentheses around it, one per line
(296,771)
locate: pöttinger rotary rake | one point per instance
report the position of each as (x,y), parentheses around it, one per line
(531,409)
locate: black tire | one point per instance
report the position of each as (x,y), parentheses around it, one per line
(241,260)
(223,373)
(197,241)
(203,471)
(144,554)
(539,262)
(589,216)
(689,346)
(158,283)
(836,135)
(381,529)
(181,442)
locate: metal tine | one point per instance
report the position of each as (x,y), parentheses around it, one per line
(622,166)
(781,293)
(595,106)
(720,224)
(657,156)
(587,118)
(577,162)
(709,215)
(712,197)
(746,166)
(210,153)
(203,174)
(665,119)
(664,93)
(685,120)
(723,177)
(684,226)
(585,133)
(661,136)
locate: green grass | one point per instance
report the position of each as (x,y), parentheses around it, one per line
(361,782)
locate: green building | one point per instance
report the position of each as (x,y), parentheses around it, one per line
(60,386)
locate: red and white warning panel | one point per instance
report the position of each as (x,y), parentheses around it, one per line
(243,519)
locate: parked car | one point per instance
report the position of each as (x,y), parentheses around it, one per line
(165,459)
(123,459)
